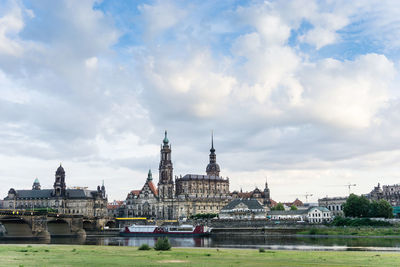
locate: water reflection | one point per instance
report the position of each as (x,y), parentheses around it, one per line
(269,242)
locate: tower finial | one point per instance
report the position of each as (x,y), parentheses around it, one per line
(165,141)
(212,142)
(149,176)
(212,139)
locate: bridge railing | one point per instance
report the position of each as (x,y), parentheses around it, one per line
(35,212)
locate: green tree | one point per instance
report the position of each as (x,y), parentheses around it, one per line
(293,207)
(278,206)
(356,206)
(385,210)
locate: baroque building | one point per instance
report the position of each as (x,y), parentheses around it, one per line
(180,197)
(75,201)
(390,193)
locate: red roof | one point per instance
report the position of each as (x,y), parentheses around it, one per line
(273,203)
(296,203)
(153,188)
(135,192)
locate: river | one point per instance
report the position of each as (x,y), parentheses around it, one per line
(223,241)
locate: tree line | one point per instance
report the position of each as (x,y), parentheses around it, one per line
(361,207)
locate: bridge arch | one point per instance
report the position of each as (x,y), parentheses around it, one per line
(59,227)
(89,225)
(16,227)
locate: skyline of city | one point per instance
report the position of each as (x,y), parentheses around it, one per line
(305,93)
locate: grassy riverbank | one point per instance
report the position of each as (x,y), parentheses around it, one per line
(71,255)
(353,231)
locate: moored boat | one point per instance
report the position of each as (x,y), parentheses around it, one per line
(170,230)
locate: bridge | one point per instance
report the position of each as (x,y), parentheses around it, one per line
(44,225)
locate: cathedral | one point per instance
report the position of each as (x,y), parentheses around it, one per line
(179,197)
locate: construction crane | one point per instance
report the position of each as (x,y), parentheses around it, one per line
(308,195)
(349,185)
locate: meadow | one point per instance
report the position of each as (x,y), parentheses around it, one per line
(75,255)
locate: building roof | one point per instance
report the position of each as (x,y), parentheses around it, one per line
(115,204)
(332,198)
(188,177)
(252,204)
(296,203)
(48,193)
(287,212)
(135,192)
(152,188)
(323,209)
(296,212)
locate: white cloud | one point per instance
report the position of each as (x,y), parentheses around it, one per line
(160,16)
(11,24)
(99,104)
(349,93)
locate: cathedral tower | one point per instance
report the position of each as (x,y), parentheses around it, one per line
(267,197)
(212,167)
(165,183)
(59,183)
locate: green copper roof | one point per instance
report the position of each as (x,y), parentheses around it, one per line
(149,176)
(36,181)
(165,138)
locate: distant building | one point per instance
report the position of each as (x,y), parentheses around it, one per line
(334,204)
(263,197)
(390,193)
(116,208)
(67,201)
(311,215)
(296,203)
(239,209)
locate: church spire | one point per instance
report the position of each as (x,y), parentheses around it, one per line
(212,150)
(212,167)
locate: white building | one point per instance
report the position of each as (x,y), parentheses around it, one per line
(311,215)
(334,204)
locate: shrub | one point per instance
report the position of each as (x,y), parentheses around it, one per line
(162,244)
(261,250)
(313,231)
(144,247)
(340,221)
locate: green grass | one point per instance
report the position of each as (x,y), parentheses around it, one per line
(354,231)
(71,255)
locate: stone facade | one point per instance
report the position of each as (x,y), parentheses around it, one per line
(144,202)
(77,201)
(390,193)
(180,197)
(334,204)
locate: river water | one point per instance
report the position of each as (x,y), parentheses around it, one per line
(267,242)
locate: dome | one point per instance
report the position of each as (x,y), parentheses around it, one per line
(212,167)
(165,141)
(60,170)
(36,181)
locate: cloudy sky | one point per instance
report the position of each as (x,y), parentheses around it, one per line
(305,93)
